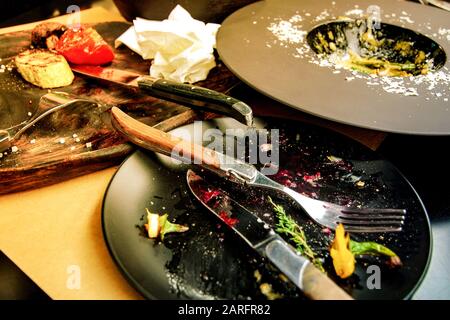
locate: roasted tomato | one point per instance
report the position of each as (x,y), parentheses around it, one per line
(84,46)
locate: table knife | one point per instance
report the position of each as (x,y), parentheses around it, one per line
(186,94)
(261,237)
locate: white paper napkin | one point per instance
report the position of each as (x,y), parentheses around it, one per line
(181,46)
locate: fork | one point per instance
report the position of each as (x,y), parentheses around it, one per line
(49,103)
(324,213)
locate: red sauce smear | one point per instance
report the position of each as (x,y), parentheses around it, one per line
(208,195)
(227,219)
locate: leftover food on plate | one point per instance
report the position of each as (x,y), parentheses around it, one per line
(158,226)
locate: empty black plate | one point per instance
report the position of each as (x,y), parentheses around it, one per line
(210,262)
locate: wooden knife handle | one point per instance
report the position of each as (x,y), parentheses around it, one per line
(317,286)
(314,283)
(159,141)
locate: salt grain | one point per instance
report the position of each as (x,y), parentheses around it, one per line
(285,31)
(89,145)
(62,140)
(33,141)
(14,149)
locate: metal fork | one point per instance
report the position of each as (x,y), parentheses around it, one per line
(49,103)
(330,215)
(325,213)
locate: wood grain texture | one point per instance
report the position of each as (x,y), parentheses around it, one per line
(318,286)
(159,141)
(79,140)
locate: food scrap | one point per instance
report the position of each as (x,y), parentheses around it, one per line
(227,219)
(343,251)
(373,248)
(343,258)
(159,226)
(45,35)
(84,46)
(266,289)
(312,179)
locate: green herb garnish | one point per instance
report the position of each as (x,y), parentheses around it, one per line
(287,226)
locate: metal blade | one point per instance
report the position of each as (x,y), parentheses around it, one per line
(116,76)
(252,229)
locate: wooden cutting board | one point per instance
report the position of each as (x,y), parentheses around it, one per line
(79,140)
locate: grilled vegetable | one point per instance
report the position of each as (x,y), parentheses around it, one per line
(159,226)
(84,46)
(44,68)
(46,35)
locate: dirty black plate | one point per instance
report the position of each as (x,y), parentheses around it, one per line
(265,45)
(210,262)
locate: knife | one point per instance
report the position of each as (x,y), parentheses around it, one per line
(258,235)
(186,94)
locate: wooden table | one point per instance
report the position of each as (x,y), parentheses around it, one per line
(54,233)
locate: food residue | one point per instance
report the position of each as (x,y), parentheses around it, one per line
(343,258)
(159,226)
(227,219)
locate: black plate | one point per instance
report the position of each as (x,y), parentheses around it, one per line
(211,262)
(278,70)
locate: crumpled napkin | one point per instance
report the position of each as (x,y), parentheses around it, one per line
(181,46)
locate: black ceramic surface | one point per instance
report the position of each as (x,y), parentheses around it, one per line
(282,69)
(209,261)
